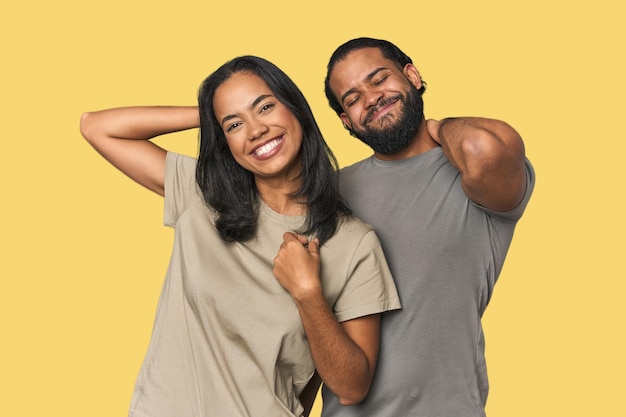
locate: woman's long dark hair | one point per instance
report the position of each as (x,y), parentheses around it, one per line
(231,190)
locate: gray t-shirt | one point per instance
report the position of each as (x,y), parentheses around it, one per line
(445,254)
(227,338)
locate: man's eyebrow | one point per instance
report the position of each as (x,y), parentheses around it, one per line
(253,105)
(368,78)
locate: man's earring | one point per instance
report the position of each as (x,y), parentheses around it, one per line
(345,126)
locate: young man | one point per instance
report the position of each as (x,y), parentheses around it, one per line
(444,197)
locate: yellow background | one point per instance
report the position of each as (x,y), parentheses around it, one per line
(84,253)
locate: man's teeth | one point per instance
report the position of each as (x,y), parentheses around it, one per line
(267,147)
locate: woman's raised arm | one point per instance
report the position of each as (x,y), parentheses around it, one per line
(121,136)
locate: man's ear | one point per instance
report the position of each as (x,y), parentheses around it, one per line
(413,75)
(346,122)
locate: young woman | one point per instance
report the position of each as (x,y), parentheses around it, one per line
(271,278)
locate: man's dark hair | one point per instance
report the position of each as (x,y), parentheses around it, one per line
(387,49)
(231,190)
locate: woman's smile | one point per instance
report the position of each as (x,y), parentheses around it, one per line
(268,149)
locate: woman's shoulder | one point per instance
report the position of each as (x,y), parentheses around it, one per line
(180,160)
(181,189)
(351,230)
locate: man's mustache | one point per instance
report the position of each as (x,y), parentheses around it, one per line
(383,103)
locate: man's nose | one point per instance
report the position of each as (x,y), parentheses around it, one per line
(372,97)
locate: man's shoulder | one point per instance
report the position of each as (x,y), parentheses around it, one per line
(356,165)
(356,170)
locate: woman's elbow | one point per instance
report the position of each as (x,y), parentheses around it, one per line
(86,126)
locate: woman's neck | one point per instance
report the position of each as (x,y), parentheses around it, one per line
(279,199)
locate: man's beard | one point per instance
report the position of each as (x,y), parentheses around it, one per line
(399,134)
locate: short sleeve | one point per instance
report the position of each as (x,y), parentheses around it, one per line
(369,288)
(516,213)
(181,190)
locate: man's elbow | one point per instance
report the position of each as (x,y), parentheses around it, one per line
(355,396)
(349,401)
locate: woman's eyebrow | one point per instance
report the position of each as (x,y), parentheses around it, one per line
(254,103)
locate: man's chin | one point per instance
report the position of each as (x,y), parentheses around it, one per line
(385,126)
(381,124)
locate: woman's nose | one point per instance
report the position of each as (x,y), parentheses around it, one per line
(256,129)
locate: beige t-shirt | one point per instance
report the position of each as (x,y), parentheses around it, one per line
(227,338)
